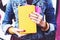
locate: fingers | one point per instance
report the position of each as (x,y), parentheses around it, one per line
(17,31)
(35,17)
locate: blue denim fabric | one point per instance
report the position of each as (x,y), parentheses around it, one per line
(47,9)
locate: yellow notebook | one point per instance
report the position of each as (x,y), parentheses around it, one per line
(24,21)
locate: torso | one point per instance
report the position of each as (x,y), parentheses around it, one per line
(15,4)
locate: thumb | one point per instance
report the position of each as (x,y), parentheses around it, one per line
(19,30)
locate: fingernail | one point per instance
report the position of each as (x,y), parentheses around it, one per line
(24,30)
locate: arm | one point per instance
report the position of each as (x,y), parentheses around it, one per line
(7,22)
(49,22)
(50,17)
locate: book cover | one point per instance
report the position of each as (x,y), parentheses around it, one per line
(24,21)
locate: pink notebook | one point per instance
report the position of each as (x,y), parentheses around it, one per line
(37,9)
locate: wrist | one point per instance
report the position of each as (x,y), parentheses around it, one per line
(46,27)
(10,30)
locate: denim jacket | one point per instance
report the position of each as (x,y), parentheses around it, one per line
(47,10)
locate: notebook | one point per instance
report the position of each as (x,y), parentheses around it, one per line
(24,21)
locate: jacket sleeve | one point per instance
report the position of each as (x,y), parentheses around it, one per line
(7,21)
(50,16)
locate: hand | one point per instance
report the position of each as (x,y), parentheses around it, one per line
(16,31)
(37,18)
